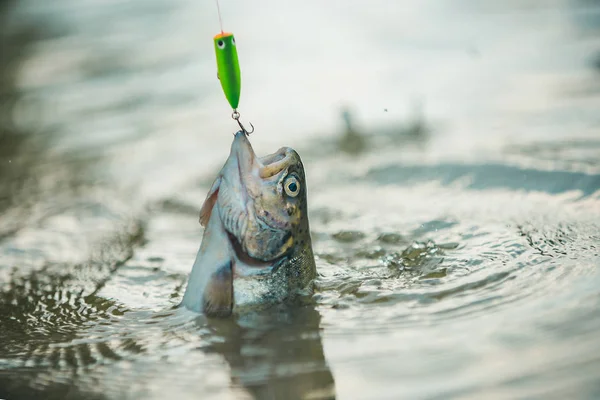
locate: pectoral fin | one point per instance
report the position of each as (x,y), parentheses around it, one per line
(209,202)
(218,294)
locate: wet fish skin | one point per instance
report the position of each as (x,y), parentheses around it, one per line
(256,248)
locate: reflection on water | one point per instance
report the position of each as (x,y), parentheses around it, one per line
(271,356)
(276,355)
(451,152)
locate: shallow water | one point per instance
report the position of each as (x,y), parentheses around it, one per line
(458,252)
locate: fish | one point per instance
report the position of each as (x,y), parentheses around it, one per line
(256,249)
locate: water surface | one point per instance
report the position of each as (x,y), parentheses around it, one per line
(457,245)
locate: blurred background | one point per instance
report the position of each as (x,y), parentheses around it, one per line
(452,152)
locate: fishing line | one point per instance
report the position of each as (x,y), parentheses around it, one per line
(228,70)
(219,12)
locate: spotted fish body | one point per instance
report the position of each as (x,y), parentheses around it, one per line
(228,67)
(256,249)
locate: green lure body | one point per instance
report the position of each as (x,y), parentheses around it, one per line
(228,67)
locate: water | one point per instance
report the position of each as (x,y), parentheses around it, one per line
(458,252)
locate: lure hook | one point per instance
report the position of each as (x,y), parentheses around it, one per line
(236,116)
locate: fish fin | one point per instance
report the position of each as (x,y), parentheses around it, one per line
(218,296)
(209,202)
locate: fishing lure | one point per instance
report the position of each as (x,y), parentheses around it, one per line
(228,67)
(228,70)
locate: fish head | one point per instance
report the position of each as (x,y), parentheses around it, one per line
(261,201)
(256,215)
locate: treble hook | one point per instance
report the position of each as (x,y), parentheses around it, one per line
(236,116)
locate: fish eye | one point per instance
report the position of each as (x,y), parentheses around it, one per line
(233,40)
(291,186)
(221,44)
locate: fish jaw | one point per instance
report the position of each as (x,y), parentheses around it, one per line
(238,186)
